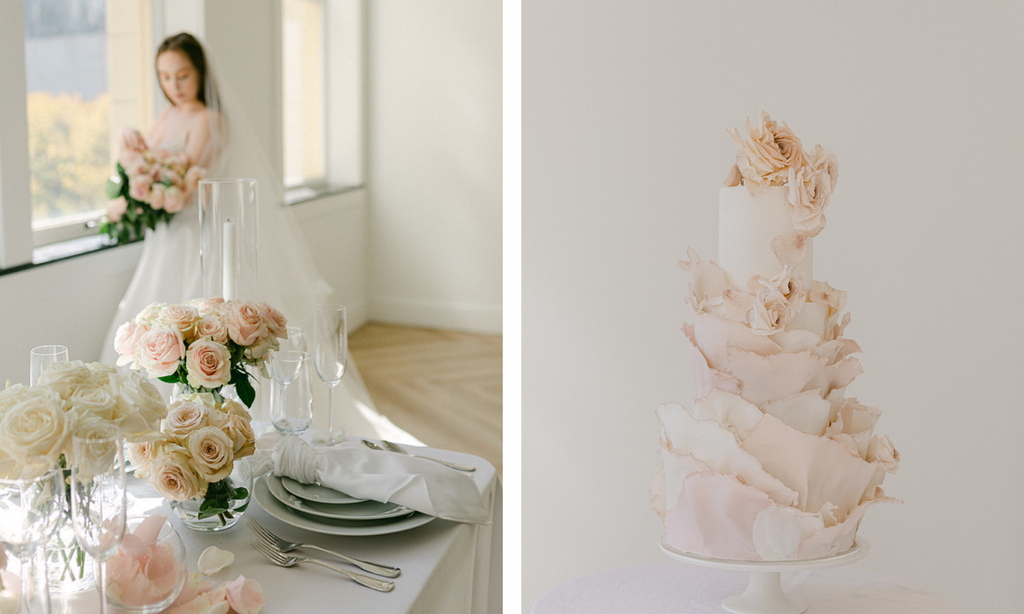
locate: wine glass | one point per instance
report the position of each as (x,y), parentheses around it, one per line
(330,339)
(44,356)
(98,504)
(291,409)
(30,510)
(296,340)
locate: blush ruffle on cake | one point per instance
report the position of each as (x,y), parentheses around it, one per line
(772,461)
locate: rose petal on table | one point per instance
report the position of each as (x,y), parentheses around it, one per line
(194,585)
(213,559)
(244,595)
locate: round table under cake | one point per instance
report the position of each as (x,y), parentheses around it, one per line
(677,588)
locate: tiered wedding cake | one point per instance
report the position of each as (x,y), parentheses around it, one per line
(772,461)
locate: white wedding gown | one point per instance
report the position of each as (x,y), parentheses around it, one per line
(169,272)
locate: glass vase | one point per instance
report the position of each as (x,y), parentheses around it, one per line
(69,568)
(228,229)
(193,514)
(162,570)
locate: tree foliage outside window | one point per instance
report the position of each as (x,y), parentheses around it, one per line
(69,153)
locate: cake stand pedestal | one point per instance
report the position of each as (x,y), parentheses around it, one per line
(764,594)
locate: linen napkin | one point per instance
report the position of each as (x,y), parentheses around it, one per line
(356,470)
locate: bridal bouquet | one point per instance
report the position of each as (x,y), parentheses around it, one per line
(194,457)
(203,344)
(148,188)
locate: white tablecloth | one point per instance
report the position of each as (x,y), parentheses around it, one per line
(674,587)
(446,566)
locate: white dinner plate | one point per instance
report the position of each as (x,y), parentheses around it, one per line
(261,492)
(320,494)
(364,510)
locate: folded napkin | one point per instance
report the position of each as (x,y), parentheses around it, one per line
(356,470)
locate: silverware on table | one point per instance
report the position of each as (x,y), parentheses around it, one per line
(283,560)
(389,446)
(283,546)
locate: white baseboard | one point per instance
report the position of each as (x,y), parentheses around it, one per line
(473,318)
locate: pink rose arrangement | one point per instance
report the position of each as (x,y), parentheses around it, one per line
(204,344)
(148,188)
(194,454)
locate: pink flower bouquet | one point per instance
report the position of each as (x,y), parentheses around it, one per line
(204,344)
(149,188)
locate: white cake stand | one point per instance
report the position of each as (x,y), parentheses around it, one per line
(764,594)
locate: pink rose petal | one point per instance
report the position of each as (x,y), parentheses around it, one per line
(244,595)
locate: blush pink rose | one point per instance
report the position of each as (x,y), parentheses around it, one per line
(127,338)
(213,327)
(174,199)
(244,595)
(116,208)
(245,325)
(276,323)
(156,196)
(181,316)
(139,188)
(208,364)
(159,351)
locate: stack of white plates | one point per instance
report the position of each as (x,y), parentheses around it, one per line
(323,510)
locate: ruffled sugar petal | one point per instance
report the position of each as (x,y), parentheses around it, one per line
(713,334)
(811,317)
(734,177)
(818,469)
(709,280)
(714,517)
(656,488)
(704,377)
(839,375)
(800,340)
(729,410)
(778,531)
(856,421)
(839,538)
(768,378)
(677,467)
(789,248)
(718,448)
(805,411)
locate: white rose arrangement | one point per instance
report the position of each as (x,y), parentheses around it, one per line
(772,155)
(195,451)
(36,423)
(204,344)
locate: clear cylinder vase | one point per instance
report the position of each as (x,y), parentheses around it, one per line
(228,229)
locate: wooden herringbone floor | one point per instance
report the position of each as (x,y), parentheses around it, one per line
(443,387)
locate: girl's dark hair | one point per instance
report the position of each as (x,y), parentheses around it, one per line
(187,44)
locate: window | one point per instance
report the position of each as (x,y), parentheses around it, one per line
(302,51)
(322,95)
(68,107)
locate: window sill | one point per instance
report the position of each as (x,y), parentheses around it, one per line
(64,250)
(303,194)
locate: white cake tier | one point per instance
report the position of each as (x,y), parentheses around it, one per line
(746,226)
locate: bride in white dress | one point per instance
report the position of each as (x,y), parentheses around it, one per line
(197,123)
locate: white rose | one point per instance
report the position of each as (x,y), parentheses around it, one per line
(211,452)
(97,455)
(36,426)
(94,401)
(140,407)
(239,429)
(767,152)
(65,377)
(881,449)
(808,195)
(771,312)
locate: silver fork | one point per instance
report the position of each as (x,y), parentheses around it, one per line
(282,545)
(394,447)
(283,560)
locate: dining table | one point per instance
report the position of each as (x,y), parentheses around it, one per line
(446,567)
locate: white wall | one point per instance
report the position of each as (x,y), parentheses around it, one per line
(434,167)
(625,107)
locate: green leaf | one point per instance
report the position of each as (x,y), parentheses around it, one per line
(240,493)
(170,379)
(245,391)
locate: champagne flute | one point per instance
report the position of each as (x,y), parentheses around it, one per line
(98,502)
(330,340)
(44,356)
(30,510)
